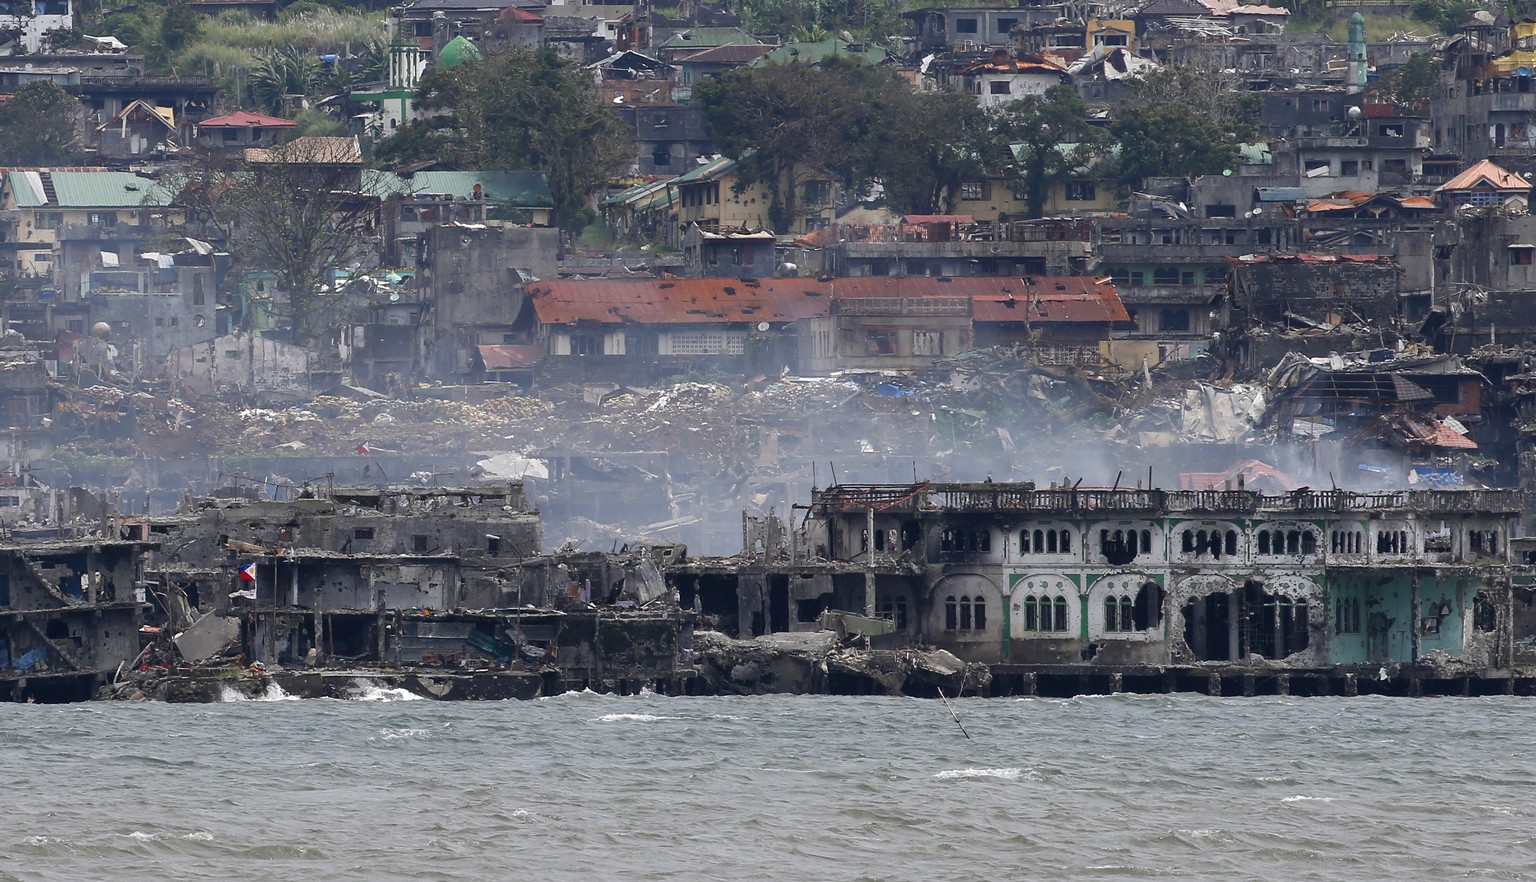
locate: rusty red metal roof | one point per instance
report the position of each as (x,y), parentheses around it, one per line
(508,356)
(677,301)
(245,119)
(1051,299)
(690,301)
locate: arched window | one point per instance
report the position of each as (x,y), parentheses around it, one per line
(1061,613)
(986,540)
(1023,542)
(951,614)
(1308,542)
(1050,541)
(1039,541)
(1066,542)
(1146,541)
(1117,613)
(1263,542)
(1187,542)
(1231,543)
(1031,613)
(965,613)
(979,613)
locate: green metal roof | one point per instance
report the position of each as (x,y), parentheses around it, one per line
(816,53)
(707,38)
(637,193)
(527,189)
(708,170)
(85,189)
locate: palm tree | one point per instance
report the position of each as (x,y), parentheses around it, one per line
(288,71)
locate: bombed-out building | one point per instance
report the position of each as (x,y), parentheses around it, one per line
(69,616)
(1011,574)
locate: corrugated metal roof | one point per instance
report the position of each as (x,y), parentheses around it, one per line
(508,356)
(245,119)
(1051,299)
(679,301)
(517,187)
(734,53)
(93,189)
(711,169)
(687,301)
(1485,173)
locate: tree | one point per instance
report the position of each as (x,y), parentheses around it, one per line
(288,71)
(945,139)
(1036,130)
(299,211)
(519,109)
(784,122)
(1409,86)
(1183,123)
(39,125)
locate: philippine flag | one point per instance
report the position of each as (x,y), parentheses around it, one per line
(248,572)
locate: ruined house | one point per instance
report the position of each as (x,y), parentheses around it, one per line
(1014,575)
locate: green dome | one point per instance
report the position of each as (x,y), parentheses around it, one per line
(458,51)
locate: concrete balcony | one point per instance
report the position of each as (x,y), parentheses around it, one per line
(1138,295)
(1512,102)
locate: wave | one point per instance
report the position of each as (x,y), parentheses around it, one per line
(364,689)
(273,692)
(1308,799)
(631,718)
(1008,774)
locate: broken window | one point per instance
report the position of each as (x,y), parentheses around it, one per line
(419,544)
(1147,612)
(879,343)
(1082,191)
(1120,547)
(973,191)
(1000,87)
(893,609)
(1393,542)
(1485,614)
(1483,543)
(965,26)
(1346,615)
(965,540)
(363,533)
(1346,541)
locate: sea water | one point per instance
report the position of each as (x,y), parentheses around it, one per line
(785,788)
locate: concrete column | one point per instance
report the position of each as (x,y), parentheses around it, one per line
(1116,683)
(1351,686)
(1029,685)
(1232,633)
(1249,686)
(1282,684)
(869,562)
(1213,684)
(1415,621)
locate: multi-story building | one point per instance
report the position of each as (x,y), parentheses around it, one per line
(1012,573)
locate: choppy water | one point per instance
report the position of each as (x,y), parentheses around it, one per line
(588,787)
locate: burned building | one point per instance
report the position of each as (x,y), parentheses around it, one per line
(70,616)
(1014,575)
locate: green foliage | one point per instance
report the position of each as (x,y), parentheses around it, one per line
(812,20)
(288,71)
(860,124)
(316,122)
(180,26)
(596,235)
(519,110)
(38,126)
(1185,123)
(1447,15)
(1039,125)
(1171,140)
(1410,86)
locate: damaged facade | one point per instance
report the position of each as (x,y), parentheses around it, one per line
(1135,580)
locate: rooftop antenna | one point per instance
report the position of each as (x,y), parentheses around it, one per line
(833,466)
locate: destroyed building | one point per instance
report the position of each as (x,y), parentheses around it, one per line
(70,615)
(1012,574)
